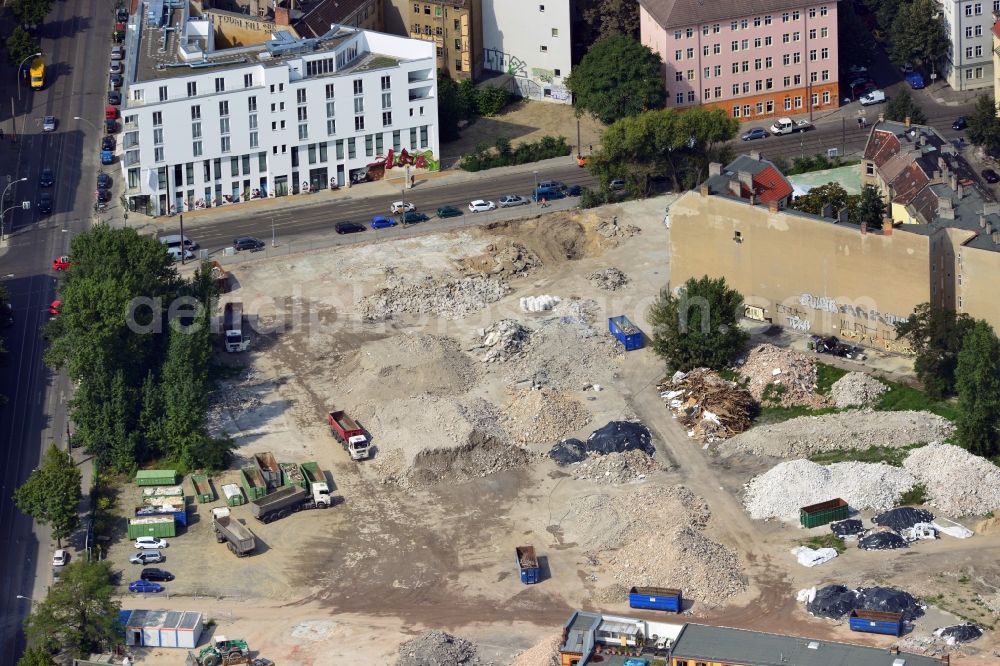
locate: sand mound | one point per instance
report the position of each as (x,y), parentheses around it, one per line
(543,653)
(556,237)
(402,366)
(542,416)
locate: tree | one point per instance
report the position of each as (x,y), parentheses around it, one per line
(51,495)
(449,108)
(619,77)
(816,199)
(36,656)
(856,46)
(984,126)
(936,335)
(918,34)
(31,12)
(978,380)
(20,45)
(885,12)
(699,327)
(603,18)
(80,613)
(871,208)
(902,106)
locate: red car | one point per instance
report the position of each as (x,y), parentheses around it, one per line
(54,308)
(61,263)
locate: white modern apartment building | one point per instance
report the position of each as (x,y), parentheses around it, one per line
(968,24)
(531,41)
(206,127)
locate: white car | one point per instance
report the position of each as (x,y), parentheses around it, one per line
(49,124)
(874,97)
(149,542)
(59,558)
(512,200)
(479,206)
(115,67)
(398,207)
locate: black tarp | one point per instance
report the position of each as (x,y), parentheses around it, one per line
(568,451)
(833,601)
(837,601)
(882,541)
(903,517)
(960,633)
(615,437)
(845,528)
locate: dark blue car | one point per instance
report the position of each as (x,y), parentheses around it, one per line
(382,222)
(144,586)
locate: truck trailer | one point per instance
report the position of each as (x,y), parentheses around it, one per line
(233,323)
(289,499)
(227,529)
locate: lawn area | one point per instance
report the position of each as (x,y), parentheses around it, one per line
(901,397)
(873,454)
(825,541)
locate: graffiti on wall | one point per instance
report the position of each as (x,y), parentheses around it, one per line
(499,61)
(877,341)
(799,324)
(827,304)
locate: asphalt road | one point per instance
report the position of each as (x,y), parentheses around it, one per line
(74,33)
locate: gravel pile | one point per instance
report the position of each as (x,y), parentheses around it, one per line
(653,537)
(856,389)
(958,482)
(566,353)
(612,229)
(784,489)
(862,429)
(481,456)
(448,298)
(793,376)
(502,341)
(542,416)
(543,653)
(437,648)
(412,364)
(609,279)
(615,468)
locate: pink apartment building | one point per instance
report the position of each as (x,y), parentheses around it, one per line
(753,58)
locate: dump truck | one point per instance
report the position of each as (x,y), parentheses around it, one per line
(227,528)
(527,564)
(269,469)
(222,652)
(233,323)
(291,475)
(349,434)
(290,499)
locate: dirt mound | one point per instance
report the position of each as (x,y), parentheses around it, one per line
(542,416)
(439,296)
(781,377)
(437,648)
(566,353)
(481,456)
(543,653)
(505,257)
(616,468)
(408,365)
(555,238)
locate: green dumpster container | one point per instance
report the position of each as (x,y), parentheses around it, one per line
(203,491)
(156,526)
(823,513)
(156,477)
(292,475)
(233,494)
(253,483)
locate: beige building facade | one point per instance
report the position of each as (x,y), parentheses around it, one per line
(455,27)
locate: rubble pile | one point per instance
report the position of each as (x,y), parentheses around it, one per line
(859,429)
(615,468)
(565,353)
(785,488)
(481,456)
(448,298)
(502,340)
(611,229)
(542,416)
(412,364)
(653,537)
(711,408)
(791,374)
(543,653)
(609,279)
(856,389)
(958,482)
(509,258)
(437,648)
(231,401)
(541,303)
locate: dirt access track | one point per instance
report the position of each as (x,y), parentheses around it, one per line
(397,333)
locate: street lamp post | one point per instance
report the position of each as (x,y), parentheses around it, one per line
(4,198)
(33,55)
(21,596)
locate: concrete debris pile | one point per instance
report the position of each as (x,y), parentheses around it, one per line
(542,416)
(403,366)
(543,653)
(861,429)
(709,407)
(653,537)
(611,229)
(448,298)
(437,648)
(615,468)
(958,482)
(785,488)
(230,402)
(506,257)
(565,354)
(502,340)
(481,456)
(576,311)
(539,303)
(609,279)
(856,389)
(781,377)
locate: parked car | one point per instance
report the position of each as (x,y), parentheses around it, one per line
(512,200)
(574,191)
(118,52)
(45,203)
(55,308)
(552,184)
(114,97)
(103,180)
(59,558)
(46,179)
(858,81)
(108,142)
(915,79)
(110,126)
(755,133)
(115,81)
(413,217)
(61,263)
(398,207)
(960,123)
(382,222)
(146,557)
(873,97)
(156,574)
(857,69)
(619,183)
(6,315)
(247,243)
(150,542)
(449,211)
(144,586)
(479,206)
(103,195)
(990,176)
(348,227)
(49,124)
(115,67)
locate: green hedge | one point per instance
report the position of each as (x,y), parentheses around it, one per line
(503,154)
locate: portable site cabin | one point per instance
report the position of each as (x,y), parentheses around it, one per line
(162,628)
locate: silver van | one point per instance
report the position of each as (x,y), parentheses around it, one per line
(176,239)
(175,252)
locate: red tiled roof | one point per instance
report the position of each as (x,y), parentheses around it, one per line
(771,185)
(996,28)
(882,146)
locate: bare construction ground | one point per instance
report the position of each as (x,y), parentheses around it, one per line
(426,343)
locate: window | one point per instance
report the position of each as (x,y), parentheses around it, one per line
(968,10)
(768,84)
(746,110)
(690,54)
(329,91)
(735,25)
(677,34)
(813,76)
(979,72)
(192,88)
(157,154)
(679,98)
(796,58)
(717,70)
(968,32)
(787,81)
(788,103)
(351,150)
(757,41)
(196,130)
(300,96)
(812,12)
(196,112)
(968,52)
(746,87)
(678,54)
(767,20)
(768,62)
(968,73)
(196,148)
(736,89)
(824,54)
(786,60)
(331,127)
(704,29)
(330,110)
(158,136)
(303,132)
(359,87)
(163,93)
(798,102)
(386,118)
(756,21)
(736,114)
(758,85)
(248,80)
(223,125)
(157,118)
(795,15)
(797,79)
(716,28)
(359,123)
(303,113)
(423,136)
(826,97)
(386,100)
(555,32)
(359,105)
(691,97)
(716,49)
(979,51)
(979,8)
(220,84)
(689,33)
(796,36)
(785,38)
(825,75)
(745,44)
(324,66)
(707,72)
(224,108)
(543,48)
(690,75)
(234,166)
(744,24)
(745,66)
(254,140)
(784,17)
(385,83)
(705,50)
(707,94)
(812,33)
(822,11)
(758,63)
(735,45)
(717,91)
(824,32)
(814,98)
(678,75)
(760,108)
(369,148)
(979,28)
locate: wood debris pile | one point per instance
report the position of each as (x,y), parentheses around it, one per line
(710,407)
